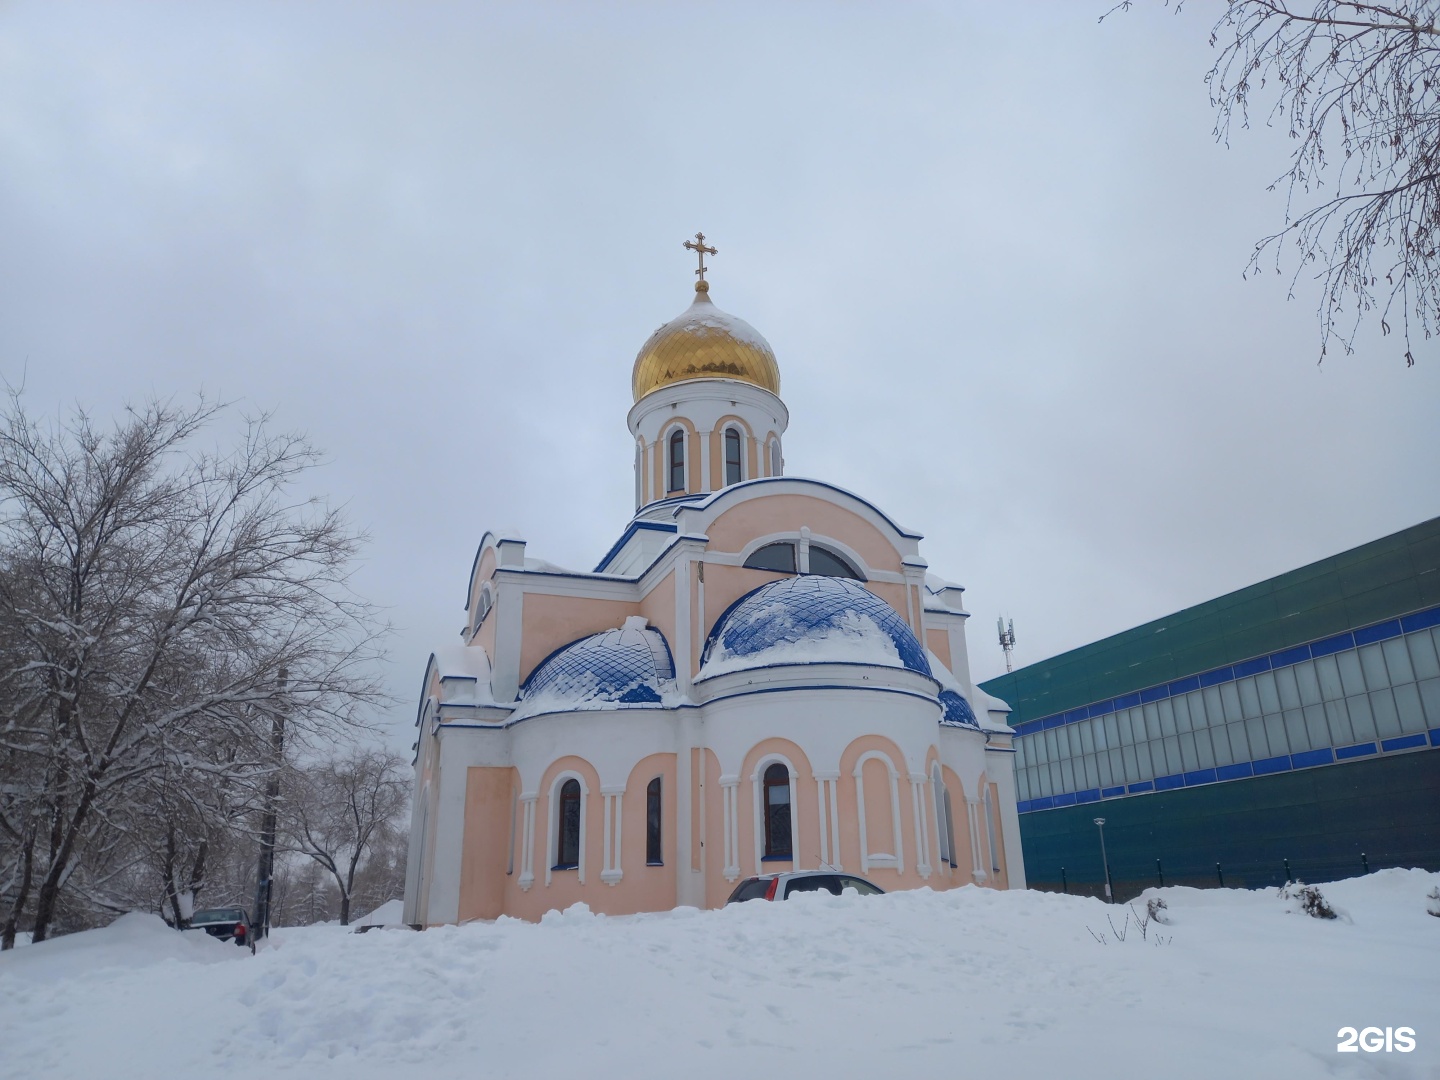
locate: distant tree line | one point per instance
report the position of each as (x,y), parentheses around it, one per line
(161,606)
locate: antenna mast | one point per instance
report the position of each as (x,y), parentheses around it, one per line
(1007,640)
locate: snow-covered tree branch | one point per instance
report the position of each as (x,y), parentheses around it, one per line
(151,593)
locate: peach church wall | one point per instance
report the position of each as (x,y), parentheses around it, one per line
(765,514)
(486,846)
(564,888)
(645,888)
(960,812)
(887,877)
(553,621)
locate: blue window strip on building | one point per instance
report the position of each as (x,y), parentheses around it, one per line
(1351,639)
(1420,620)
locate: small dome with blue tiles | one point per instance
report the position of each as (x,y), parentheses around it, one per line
(624,667)
(958,712)
(811,619)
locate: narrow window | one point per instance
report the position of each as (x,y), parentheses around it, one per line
(568,827)
(990,827)
(950,826)
(777,812)
(652,824)
(779,556)
(677,461)
(775,458)
(942,825)
(732,456)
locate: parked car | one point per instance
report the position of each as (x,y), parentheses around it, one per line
(227,924)
(784,886)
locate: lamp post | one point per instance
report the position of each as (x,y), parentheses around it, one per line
(1104,861)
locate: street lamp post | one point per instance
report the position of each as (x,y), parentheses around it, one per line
(1104,861)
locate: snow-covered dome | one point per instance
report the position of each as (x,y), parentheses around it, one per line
(619,667)
(957,709)
(811,619)
(703,342)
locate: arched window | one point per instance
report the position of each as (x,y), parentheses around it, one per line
(830,564)
(782,557)
(732,456)
(777,812)
(779,557)
(990,828)
(944,821)
(775,457)
(677,461)
(652,824)
(567,826)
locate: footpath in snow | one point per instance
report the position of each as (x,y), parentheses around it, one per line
(965,983)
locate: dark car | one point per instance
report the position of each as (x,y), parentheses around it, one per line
(784,886)
(226,923)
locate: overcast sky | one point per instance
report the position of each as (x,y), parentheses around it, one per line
(995,248)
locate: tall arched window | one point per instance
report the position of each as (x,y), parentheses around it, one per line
(990,828)
(567,826)
(777,813)
(944,821)
(732,456)
(677,461)
(652,824)
(775,457)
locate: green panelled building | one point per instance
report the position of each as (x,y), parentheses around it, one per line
(1289,729)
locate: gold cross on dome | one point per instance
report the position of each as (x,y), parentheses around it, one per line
(698,246)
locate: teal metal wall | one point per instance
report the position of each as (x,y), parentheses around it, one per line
(1322,809)
(1322,820)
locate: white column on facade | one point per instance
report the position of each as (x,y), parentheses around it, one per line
(977,870)
(527,842)
(860,811)
(895,819)
(730,794)
(922,825)
(822,783)
(704,437)
(835,821)
(610,872)
(683,649)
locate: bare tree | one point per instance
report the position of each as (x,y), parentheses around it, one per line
(150,593)
(1357,87)
(339,811)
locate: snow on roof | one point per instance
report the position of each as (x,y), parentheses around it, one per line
(811,619)
(627,667)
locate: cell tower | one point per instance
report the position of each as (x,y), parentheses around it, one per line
(1007,639)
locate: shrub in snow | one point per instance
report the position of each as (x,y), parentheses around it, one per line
(1312,902)
(1155,909)
(1434,906)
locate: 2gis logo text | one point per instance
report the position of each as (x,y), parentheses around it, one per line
(1373,1040)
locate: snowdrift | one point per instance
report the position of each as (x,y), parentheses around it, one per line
(963,983)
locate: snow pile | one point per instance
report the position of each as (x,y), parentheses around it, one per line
(961,983)
(390,913)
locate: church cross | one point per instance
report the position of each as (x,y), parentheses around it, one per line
(698,246)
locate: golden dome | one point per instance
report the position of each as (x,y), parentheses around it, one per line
(704,343)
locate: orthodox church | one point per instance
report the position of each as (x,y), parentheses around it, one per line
(760,675)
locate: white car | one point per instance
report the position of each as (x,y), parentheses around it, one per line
(784,886)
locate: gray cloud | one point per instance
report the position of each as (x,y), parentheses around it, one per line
(997,254)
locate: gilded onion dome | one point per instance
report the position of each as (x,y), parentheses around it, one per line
(704,343)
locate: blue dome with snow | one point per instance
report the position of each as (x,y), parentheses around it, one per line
(616,667)
(957,710)
(811,619)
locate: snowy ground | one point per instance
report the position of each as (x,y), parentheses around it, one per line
(966,983)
